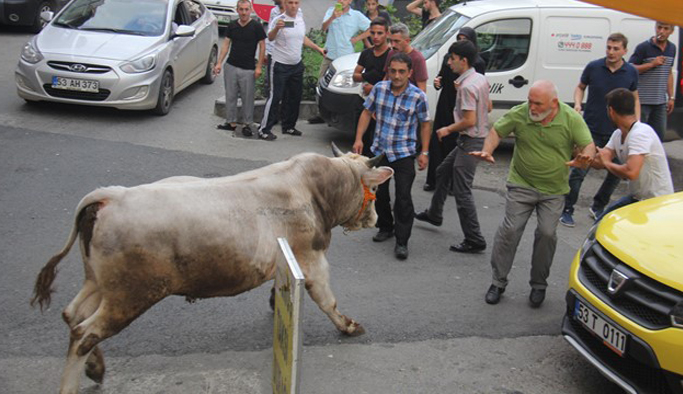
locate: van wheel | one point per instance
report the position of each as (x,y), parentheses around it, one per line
(210,76)
(165,99)
(38,22)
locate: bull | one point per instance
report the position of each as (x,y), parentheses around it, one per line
(201,238)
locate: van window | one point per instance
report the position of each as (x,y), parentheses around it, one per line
(437,33)
(504,44)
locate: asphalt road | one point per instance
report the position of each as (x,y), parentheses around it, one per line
(51,155)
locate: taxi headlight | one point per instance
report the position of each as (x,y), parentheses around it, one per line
(344,79)
(30,53)
(677,315)
(140,65)
(589,241)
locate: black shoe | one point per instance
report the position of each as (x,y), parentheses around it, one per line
(467,247)
(424,217)
(493,295)
(536,297)
(428,187)
(382,236)
(226,126)
(316,120)
(246,131)
(267,136)
(401,251)
(293,132)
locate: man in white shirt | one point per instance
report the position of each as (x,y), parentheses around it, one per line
(636,145)
(287,32)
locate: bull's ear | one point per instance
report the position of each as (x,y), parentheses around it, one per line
(336,151)
(377,176)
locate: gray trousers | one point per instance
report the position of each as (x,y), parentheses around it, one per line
(520,202)
(239,82)
(459,168)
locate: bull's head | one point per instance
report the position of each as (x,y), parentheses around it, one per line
(371,177)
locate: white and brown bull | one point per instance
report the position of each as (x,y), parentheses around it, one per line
(202,238)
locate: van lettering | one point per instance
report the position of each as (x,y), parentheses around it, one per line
(496,88)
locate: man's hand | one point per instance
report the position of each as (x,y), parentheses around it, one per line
(358,147)
(437,82)
(442,132)
(367,88)
(257,72)
(669,107)
(483,156)
(422,162)
(217,68)
(580,161)
(577,107)
(337,13)
(659,60)
(280,24)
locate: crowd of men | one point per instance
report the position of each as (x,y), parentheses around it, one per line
(619,129)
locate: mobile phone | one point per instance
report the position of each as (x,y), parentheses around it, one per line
(338,7)
(289,23)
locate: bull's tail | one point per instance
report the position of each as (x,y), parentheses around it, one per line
(86,214)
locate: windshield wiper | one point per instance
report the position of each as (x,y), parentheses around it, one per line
(62,24)
(123,31)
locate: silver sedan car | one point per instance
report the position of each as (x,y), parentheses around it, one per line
(127,54)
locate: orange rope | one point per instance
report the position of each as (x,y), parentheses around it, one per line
(367,197)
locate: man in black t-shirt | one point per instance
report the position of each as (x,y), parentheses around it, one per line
(370,69)
(242,70)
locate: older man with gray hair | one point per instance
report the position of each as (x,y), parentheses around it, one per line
(547,131)
(399,37)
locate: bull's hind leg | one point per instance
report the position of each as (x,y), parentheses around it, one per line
(318,286)
(83,306)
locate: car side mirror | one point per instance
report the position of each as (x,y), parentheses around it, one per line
(183,31)
(47,15)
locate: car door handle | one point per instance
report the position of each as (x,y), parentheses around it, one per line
(518,81)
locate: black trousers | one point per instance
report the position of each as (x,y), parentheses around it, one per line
(287,82)
(401,222)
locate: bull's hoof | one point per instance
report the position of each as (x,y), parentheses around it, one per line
(95,372)
(355,330)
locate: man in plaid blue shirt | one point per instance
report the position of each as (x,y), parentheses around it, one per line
(399,108)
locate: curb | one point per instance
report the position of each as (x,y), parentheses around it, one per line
(307,109)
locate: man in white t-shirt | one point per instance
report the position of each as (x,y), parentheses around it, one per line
(287,32)
(638,147)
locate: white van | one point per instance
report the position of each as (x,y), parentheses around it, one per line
(522,41)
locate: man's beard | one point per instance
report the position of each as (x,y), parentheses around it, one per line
(541,116)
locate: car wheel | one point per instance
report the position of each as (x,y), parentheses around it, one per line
(165,99)
(39,23)
(210,76)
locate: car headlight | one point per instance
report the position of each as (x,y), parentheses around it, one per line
(677,315)
(589,241)
(140,65)
(344,80)
(30,53)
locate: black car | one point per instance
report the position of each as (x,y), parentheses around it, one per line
(27,12)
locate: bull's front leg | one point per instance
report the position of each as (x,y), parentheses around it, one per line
(318,286)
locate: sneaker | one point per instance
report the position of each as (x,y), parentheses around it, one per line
(594,213)
(567,219)
(493,294)
(536,297)
(382,236)
(401,252)
(246,131)
(467,247)
(226,126)
(293,132)
(424,217)
(267,136)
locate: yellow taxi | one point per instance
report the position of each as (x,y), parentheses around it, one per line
(625,298)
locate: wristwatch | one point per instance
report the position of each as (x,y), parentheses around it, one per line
(425,153)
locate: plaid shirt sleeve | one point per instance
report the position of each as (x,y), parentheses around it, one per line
(422,109)
(369,103)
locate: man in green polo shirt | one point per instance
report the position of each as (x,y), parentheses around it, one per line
(547,133)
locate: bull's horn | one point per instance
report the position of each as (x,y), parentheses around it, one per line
(337,152)
(375,160)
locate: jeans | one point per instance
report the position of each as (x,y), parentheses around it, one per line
(655,116)
(520,203)
(287,87)
(576,177)
(622,202)
(458,169)
(404,175)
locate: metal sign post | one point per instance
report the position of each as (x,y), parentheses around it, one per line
(289,285)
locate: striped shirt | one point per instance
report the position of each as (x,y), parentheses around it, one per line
(473,95)
(653,84)
(396,133)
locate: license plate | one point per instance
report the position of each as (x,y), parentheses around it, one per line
(80,85)
(223,18)
(611,336)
